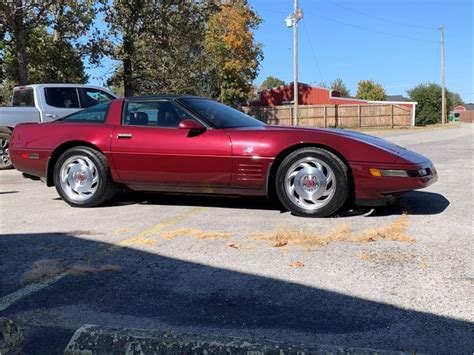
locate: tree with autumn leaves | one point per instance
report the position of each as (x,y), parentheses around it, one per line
(233,53)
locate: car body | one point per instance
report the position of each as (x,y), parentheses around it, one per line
(213,149)
(44,103)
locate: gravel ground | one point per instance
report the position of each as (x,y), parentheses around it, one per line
(116,268)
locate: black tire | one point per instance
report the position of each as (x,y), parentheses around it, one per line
(104,188)
(5,162)
(338,188)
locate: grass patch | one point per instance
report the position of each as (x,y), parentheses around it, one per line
(43,269)
(195,233)
(395,231)
(47,268)
(283,237)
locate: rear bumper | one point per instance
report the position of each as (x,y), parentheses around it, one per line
(380,191)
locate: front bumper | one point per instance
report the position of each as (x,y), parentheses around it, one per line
(382,190)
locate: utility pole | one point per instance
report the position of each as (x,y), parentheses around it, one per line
(443,78)
(292,21)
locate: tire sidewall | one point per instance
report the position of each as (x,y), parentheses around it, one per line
(7,137)
(102,170)
(341,175)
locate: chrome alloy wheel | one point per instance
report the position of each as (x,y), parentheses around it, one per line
(4,152)
(79,178)
(310,183)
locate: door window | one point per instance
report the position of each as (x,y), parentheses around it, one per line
(91,97)
(154,114)
(62,97)
(23,98)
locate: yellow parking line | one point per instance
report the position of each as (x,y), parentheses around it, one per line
(10,299)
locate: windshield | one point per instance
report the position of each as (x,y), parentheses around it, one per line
(219,115)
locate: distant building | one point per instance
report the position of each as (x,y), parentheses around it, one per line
(307,95)
(465,112)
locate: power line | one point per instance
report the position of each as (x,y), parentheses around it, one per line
(373,31)
(378,17)
(313,51)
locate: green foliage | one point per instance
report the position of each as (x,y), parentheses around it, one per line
(271,82)
(49,61)
(160,46)
(6,88)
(428,96)
(233,54)
(338,85)
(370,90)
(43,40)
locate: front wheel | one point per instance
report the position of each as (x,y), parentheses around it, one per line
(82,178)
(5,162)
(312,182)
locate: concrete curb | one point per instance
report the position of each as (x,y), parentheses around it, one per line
(11,337)
(92,339)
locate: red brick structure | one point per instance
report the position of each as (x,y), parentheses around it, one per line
(466,112)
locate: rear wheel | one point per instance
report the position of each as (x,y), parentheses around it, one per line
(5,162)
(312,182)
(82,178)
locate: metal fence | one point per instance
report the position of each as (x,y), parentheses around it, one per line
(347,116)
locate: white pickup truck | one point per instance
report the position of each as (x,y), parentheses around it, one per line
(43,103)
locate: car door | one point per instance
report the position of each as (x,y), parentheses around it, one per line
(59,102)
(149,149)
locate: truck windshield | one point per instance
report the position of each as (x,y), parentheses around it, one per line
(23,97)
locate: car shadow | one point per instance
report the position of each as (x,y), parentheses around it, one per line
(155,291)
(415,203)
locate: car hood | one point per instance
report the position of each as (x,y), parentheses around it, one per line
(361,137)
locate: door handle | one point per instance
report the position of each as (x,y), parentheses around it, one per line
(124,135)
(51,115)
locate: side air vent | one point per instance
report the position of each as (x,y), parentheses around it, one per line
(249,171)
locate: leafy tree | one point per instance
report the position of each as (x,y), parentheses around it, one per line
(370,90)
(271,82)
(17,19)
(43,39)
(234,54)
(50,61)
(160,46)
(338,85)
(428,96)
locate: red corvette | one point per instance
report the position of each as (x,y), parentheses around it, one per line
(194,145)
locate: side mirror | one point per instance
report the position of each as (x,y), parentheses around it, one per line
(191,125)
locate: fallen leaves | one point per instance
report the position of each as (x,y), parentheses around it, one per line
(282,237)
(297,264)
(195,233)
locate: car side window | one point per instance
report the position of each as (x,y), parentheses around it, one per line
(163,114)
(94,114)
(91,97)
(62,97)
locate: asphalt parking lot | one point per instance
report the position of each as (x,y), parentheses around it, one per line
(210,266)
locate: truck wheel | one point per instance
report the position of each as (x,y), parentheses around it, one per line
(5,162)
(82,178)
